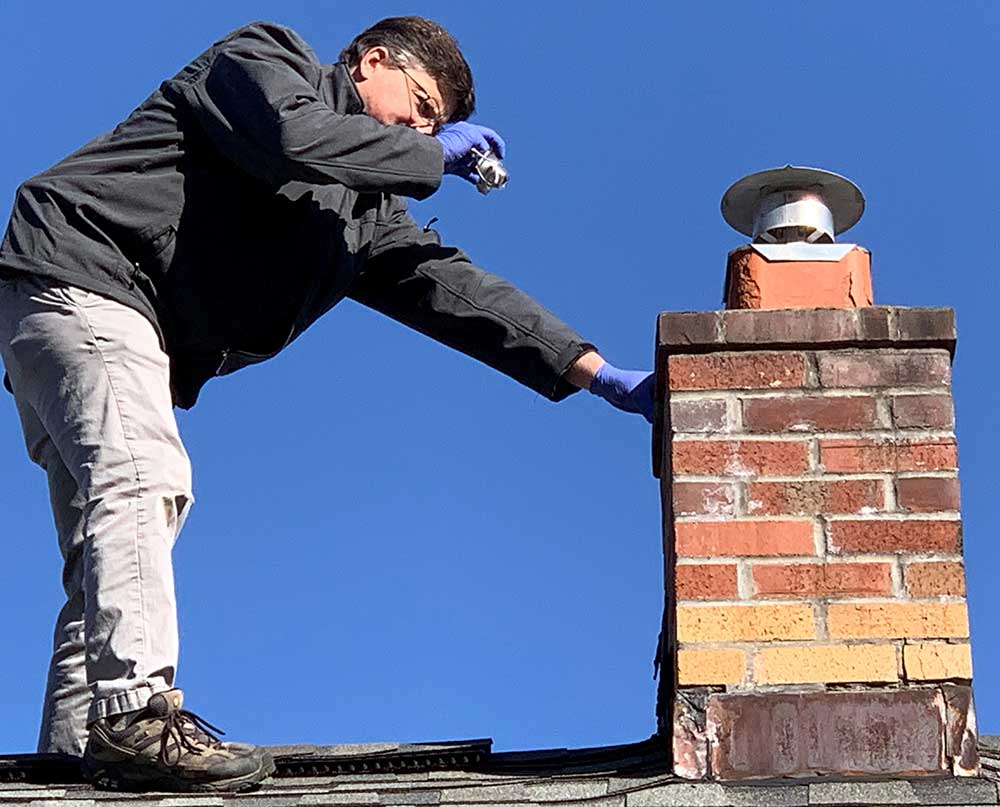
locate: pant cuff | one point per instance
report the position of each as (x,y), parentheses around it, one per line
(121,702)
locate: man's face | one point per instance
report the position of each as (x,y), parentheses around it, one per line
(393,95)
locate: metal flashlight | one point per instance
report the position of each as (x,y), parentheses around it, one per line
(490,170)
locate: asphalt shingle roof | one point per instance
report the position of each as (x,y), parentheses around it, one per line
(466,774)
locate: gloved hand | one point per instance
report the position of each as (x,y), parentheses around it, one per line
(628,390)
(458,140)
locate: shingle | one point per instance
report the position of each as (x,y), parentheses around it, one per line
(411,796)
(359,797)
(485,794)
(566,790)
(862,793)
(704,794)
(955,791)
(61,803)
(28,792)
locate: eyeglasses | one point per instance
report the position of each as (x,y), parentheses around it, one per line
(426,106)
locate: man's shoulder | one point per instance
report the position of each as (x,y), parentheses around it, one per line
(267,35)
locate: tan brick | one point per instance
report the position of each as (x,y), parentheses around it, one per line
(744,623)
(740,457)
(928,494)
(937,661)
(707,581)
(859,455)
(809,413)
(895,535)
(935,579)
(737,371)
(707,539)
(840,664)
(897,620)
(815,497)
(704,499)
(725,666)
(822,579)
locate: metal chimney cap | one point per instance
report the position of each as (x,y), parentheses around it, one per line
(740,204)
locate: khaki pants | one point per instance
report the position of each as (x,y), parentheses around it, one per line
(92,390)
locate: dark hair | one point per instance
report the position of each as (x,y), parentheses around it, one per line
(419,42)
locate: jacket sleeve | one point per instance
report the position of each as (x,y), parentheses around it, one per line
(258,102)
(437,291)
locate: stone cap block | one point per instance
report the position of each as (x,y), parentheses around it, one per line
(812,328)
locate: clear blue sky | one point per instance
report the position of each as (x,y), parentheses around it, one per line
(392,542)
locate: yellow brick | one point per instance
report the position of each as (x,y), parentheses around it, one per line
(905,620)
(744,623)
(848,664)
(711,666)
(934,661)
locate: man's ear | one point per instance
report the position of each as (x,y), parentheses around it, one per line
(371,60)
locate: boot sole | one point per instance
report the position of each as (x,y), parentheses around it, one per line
(111,776)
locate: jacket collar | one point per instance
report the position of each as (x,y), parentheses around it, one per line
(338,90)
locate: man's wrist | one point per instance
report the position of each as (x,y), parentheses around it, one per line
(581,372)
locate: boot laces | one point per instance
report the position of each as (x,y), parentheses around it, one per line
(189,732)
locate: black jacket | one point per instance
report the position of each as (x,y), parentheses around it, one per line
(245,198)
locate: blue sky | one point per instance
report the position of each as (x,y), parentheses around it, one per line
(391,542)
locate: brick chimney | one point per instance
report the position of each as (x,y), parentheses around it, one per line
(815,617)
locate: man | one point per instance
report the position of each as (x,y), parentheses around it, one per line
(240,202)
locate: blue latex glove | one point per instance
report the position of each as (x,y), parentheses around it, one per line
(458,139)
(628,390)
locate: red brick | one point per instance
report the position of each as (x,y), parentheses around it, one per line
(705,582)
(923,412)
(897,535)
(935,579)
(740,457)
(812,413)
(737,371)
(704,498)
(698,416)
(884,368)
(853,455)
(927,494)
(823,579)
(708,539)
(815,497)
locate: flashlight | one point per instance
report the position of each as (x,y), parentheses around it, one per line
(490,170)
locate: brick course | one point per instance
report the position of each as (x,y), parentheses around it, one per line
(935,579)
(708,539)
(822,579)
(707,581)
(884,368)
(698,416)
(937,661)
(859,455)
(745,623)
(922,412)
(897,620)
(810,413)
(856,664)
(740,457)
(815,497)
(704,498)
(737,371)
(895,535)
(927,494)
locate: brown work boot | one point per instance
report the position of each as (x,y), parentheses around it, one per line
(164,747)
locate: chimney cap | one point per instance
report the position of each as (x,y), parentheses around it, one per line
(741,203)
